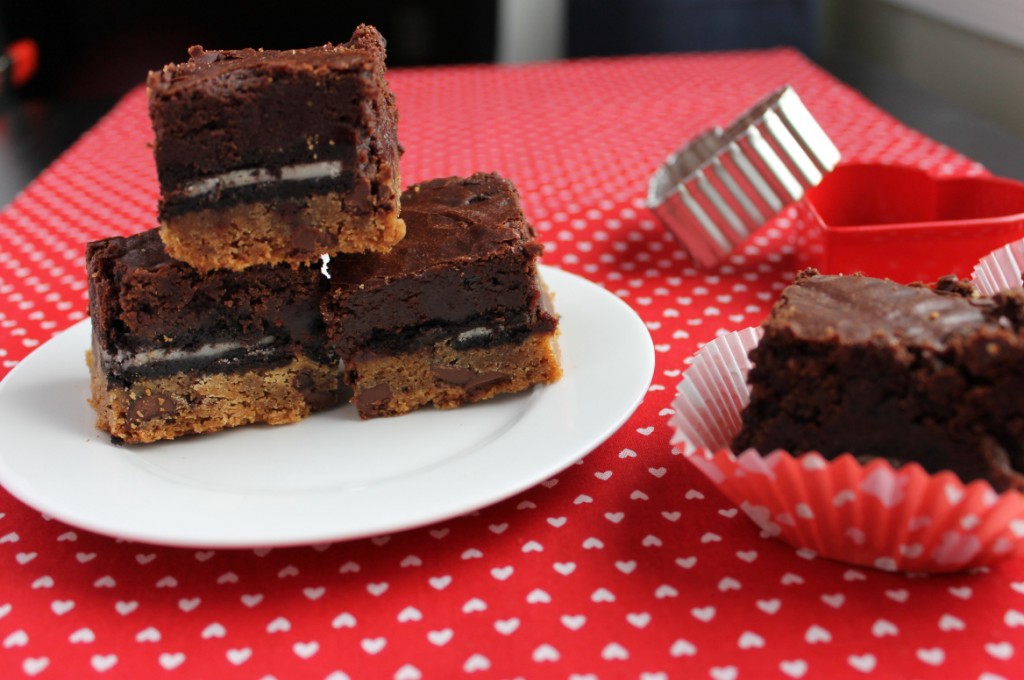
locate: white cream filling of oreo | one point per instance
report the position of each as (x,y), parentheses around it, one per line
(210,351)
(474,334)
(251,176)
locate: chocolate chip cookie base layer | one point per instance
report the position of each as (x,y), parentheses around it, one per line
(870,367)
(267,156)
(177,351)
(446,377)
(454,313)
(278,230)
(188,402)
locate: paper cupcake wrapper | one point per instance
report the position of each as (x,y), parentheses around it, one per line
(1001,269)
(895,519)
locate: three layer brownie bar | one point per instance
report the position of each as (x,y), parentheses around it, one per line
(877,369)
(178,351)
(270,156)
(454,313)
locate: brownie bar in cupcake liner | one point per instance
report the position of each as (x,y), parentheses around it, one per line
(1001,269)
(872,514)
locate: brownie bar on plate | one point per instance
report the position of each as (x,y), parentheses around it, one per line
(270,156)
(455,313)
(878,369)
(178,351)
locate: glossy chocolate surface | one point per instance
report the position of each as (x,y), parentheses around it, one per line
(862,309)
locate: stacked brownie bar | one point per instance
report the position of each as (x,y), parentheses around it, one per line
(178,351)
(276,156)
(456,312)
(267,162)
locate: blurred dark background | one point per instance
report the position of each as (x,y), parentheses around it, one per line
(82,56)
(610,27)
(88,54)
(100,49)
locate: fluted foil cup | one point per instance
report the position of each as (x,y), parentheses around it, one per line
(725,184)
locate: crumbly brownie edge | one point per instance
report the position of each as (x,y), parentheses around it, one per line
(448,378)
(249,234)
(186,403)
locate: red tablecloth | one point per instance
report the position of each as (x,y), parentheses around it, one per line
(628,564)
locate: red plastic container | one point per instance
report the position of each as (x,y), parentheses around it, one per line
(902,223)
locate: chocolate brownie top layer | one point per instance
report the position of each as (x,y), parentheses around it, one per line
(862,309)
(877,369)
(450,222)
(266,109)
(468,261)
(150,310)
(229,70)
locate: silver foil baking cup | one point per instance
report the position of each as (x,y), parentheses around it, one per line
(726,183)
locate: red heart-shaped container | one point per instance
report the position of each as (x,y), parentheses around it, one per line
(902,223)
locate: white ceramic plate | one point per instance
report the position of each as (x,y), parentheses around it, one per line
(332,476)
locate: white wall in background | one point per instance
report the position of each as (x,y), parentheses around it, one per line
(999,19)
(949,57)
